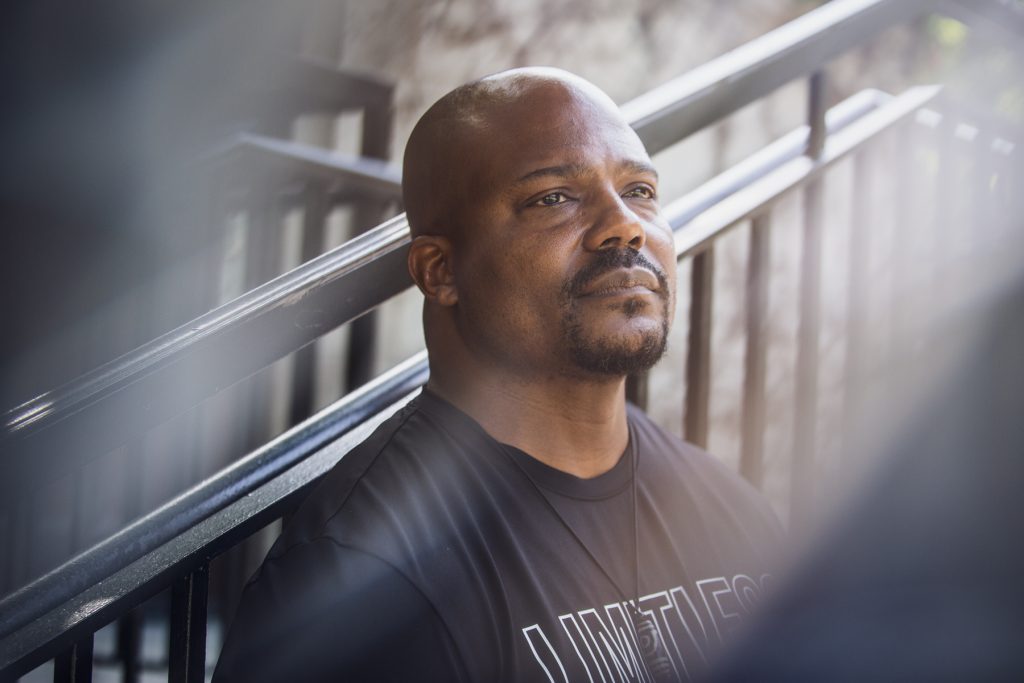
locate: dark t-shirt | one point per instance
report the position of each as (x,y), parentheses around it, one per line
(434,552)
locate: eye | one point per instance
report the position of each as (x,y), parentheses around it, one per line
(640,192)
(552,199)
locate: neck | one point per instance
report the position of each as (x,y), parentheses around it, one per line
(574,425)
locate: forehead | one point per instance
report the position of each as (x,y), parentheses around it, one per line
(552,125)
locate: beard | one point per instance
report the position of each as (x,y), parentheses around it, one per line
(614,355)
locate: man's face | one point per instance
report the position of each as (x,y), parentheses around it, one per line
(563,261)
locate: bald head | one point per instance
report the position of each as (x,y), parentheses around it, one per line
(447,147)
(538,241)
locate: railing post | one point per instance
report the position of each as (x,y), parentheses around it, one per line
(636,389)
(262,262)
(805,433)
(187,657)
(817,106)
(314,216)
(75,664)
(904,260)
(857,297)
(698,355)
(758,269)
(377,121)
(129,632)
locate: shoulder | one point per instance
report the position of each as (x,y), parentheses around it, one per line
(666,459)
(404,487)
(321,609)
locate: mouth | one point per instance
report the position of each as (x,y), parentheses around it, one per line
(622,282)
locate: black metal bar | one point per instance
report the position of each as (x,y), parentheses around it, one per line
(251,159)
(187,658)
(636,389)
(75,664)
(129,643)
(694,232)
(698,355)
(758,271)
(362,350)
(258,489)
(362,347)
(176,517)
(159,380)
(857,297)
(806,398)
(817,106)
(705,95)
(262,264)
(758,165)
(806,409)
(314,217)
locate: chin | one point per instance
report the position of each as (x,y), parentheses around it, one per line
(618,355)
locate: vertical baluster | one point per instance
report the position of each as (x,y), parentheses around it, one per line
(377,120)
(75,664)
(805,432)
(904,307)
(758,269)
(817,107)
(262,263)
(187,658)
(129,637)
(698,356)
(857,297)
(636,389)
(314,217)
(129,626)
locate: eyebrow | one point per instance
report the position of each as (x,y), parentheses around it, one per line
(573,170)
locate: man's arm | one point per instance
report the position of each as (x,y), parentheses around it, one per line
(324,612)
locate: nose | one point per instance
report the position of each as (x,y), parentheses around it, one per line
(615,225)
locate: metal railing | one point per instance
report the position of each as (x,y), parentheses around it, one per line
(57,615)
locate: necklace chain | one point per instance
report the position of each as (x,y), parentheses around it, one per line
(651,646)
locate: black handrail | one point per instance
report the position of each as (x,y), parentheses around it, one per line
(26,609)
(258,159)
(671,112)
(104,408)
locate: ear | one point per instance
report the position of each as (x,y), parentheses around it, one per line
(431,269)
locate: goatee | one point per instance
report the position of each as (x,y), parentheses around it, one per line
(608,355)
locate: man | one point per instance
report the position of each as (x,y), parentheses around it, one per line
(517,521)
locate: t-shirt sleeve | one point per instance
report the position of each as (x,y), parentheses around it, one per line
(324,612)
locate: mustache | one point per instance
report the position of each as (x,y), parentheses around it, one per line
(614,259)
